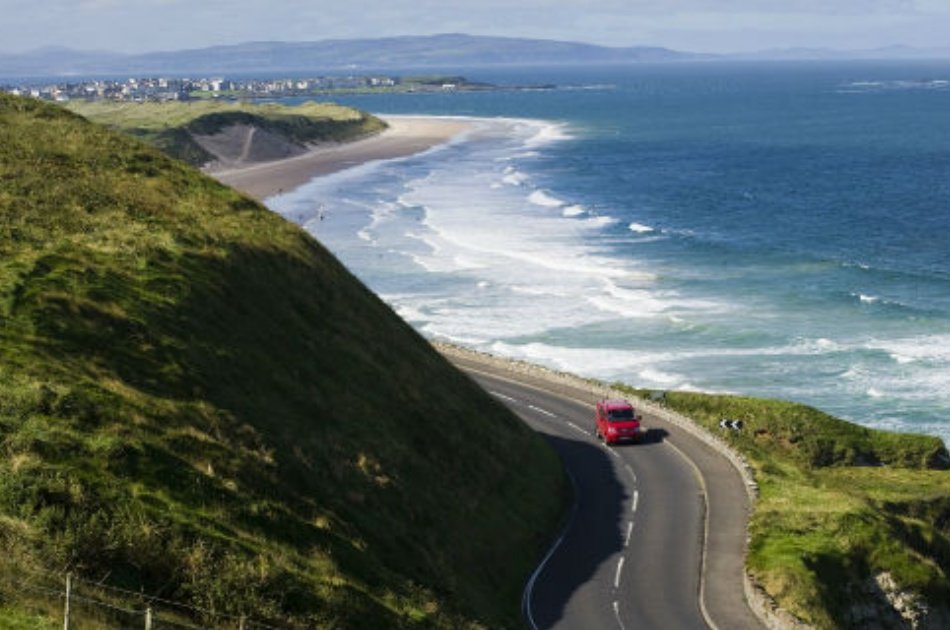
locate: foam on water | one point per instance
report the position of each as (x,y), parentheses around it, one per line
(933,349)
(513,177)
(475,243)
(546,133)
(859,87)
(452,225)
(574,210)
(543,199)
(602,221)
(575,360)
(639,228)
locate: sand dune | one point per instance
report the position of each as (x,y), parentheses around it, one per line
(240,146)
(406,135)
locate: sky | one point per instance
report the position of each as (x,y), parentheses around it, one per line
(718,26)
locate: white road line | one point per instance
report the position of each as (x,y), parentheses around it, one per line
(619,569)
(633,475)
(617,615)
(702,569)
(529,587)
(577,428)
(636,499)
(544,412)
(502,396)
(626,542)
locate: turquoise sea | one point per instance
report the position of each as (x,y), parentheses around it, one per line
(771,229)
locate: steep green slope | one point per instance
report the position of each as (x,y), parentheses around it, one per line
(172,126)
(198,402)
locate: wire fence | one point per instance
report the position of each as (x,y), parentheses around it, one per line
(73,603)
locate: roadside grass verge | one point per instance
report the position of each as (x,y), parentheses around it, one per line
(845,516)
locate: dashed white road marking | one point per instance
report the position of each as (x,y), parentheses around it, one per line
(617,615)
(543,412)
(577,428)
(503,397)
(527,594)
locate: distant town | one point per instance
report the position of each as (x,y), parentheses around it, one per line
(157,89)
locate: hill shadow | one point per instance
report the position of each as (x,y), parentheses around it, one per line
(594,534)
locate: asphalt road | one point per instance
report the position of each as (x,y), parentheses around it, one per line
(656,537)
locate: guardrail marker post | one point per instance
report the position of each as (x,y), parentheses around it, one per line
(69,588)
(241,622)
(148,618)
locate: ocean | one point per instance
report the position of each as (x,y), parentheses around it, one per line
(765,229)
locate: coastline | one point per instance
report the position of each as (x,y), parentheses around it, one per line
(329,159)
(405,136)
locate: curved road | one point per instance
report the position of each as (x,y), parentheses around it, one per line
(656,537)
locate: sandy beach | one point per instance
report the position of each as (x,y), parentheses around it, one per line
(405,136)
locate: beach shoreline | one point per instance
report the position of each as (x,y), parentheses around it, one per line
(404,136)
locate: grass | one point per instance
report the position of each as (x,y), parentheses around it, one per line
(838,505)
(19,618)
(197,401)
(171,126)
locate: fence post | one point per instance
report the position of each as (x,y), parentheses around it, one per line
(69,588)
(148,618)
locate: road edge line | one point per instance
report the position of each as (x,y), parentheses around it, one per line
(529,586)
(702,568)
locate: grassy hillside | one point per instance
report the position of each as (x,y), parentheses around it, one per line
(845,513)
(198,402)
(171,126)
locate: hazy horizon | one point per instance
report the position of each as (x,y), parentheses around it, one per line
(829,49)
(721,27)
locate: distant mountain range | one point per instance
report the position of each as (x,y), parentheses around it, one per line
(450,50)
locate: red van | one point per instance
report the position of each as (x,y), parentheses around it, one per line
(616,421)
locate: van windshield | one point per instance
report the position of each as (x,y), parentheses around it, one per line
(620,415)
